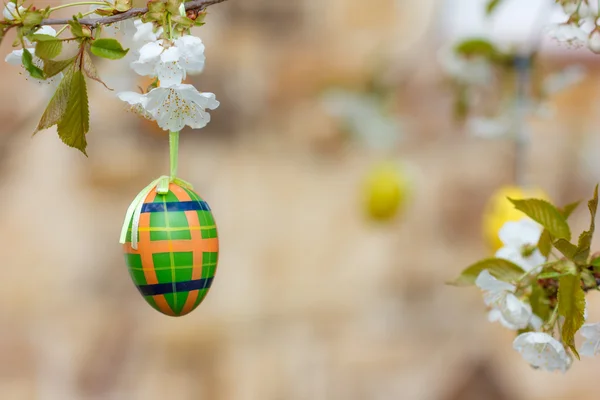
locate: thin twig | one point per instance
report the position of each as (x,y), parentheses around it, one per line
(194,5)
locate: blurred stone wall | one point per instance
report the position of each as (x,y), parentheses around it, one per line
(311,300)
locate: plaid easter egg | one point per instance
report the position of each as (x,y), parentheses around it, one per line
(178,249)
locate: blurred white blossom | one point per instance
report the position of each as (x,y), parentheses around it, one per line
(542,351)
(476,70)
(10,12)
(569,33)
(489,127)
(365,116)
(591,345)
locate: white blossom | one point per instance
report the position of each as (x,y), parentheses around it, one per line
(561,80)
(10,11)
(506,307)
(173,107)
(16,56)
(476,71)
(489,128)
(145,32)
(171,63)
(542,351)
(519,238)
(570,34)
(591,345)
(594,42)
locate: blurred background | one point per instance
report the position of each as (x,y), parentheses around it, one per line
(314,297)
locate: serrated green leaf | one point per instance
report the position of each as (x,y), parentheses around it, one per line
(108,48)
(58,103)
(27,60)
(571,306)
(545,243)
(567,248)
(540,305)
(52,68)
(491,6)
(497,267)
(74,125)
(90,69)
(585,239)
(48,49)
(567,210)
(546,215)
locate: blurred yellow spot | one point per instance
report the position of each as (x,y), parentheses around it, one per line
(386,190)
(499,210)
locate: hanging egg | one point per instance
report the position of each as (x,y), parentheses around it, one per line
(177,250)
(385,191)
(499,210)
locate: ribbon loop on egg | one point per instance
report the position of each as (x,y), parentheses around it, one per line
(135,208)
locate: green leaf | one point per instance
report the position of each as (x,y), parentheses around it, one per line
(39,37)
(497,267)
(540,305)
(545,214)
(48,49)
(476,46)
(80,31)
(27,60)
(90,69)
(491,6)
(567,210)
(595,262)
(108,48)
(567,248)
(183,21)
(545,243)
(156,6)
(58,103)
(52,68)
(571,306)
(173,7)
(585,239)
(32,18)
(552,275)
(74,124)
(123,5)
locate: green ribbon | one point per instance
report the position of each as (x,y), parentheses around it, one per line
(162,187)
(135,208)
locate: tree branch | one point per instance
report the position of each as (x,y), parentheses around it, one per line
(194,5)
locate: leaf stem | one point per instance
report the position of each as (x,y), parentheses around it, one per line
(174,153)
(80,3)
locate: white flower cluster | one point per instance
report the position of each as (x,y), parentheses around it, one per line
(540,349)
(172,104)
(581,28)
